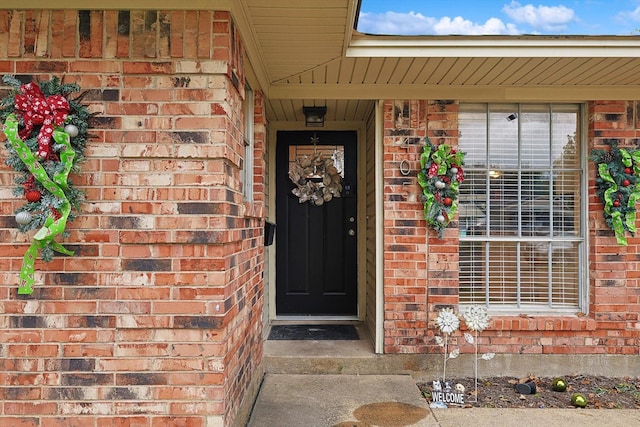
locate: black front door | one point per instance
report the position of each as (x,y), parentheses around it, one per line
(316,242)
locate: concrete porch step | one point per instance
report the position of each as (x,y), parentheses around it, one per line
(340,357)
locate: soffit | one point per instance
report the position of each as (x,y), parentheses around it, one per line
(475,64)
(295,36)
(465,72)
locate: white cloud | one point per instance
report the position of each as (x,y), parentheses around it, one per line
(458,25)
(633,15)
(394,23)
(547,18)
(413,23)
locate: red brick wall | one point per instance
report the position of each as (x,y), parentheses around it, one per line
(421,270)
(157,319)
(614,290)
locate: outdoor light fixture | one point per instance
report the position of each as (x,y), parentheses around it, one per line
(314,116)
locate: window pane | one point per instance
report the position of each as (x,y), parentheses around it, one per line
(535,204)
(503,204)
(474,131)
(565,129)
(534,273)
(566,203)
(503,273)
(316,154)
(565,274)
(472,271)
(472,205)
(534,125)
(503,137)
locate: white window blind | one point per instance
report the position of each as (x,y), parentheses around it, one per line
(521,234)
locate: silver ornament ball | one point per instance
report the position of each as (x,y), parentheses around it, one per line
(440,184)
(71,130)
(23,218)
(440,218)
(454,170)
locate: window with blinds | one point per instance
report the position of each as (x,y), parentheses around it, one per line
(521,234)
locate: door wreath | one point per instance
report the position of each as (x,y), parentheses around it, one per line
(316,178)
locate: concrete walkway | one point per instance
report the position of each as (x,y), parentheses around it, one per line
(288,400)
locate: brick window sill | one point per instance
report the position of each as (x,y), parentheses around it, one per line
(543,323)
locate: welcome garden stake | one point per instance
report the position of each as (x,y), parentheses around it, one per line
(46,134)
(440,176)
(617,186)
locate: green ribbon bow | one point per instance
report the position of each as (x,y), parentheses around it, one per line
(426,153)
(56,186)
(625,157)
(441,157)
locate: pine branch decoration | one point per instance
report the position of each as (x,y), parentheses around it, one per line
(617,187)
(47,133)
(441,173)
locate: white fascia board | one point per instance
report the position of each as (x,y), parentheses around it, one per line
(352,11)
(256,61)
(461,47)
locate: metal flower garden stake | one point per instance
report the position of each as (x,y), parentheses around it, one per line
(448,322)
(477,320)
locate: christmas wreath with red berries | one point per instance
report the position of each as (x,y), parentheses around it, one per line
(46,130)
(618,187)
(440,176)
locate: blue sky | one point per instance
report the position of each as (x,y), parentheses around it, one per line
(477,17)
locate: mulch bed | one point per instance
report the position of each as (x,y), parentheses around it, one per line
(500,392)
